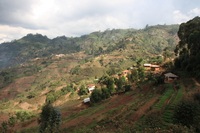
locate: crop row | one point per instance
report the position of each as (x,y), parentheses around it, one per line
(175,99)
(168,92)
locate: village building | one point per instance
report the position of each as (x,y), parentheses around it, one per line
(91,87)
(86,100)
(170,76)
(155,67)
(147,66)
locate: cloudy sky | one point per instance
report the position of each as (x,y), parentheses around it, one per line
(78,17)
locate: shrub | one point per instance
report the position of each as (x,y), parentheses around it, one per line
(186,113)
(153,119)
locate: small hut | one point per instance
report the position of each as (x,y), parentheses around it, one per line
(147,66)
(155,67)
(86,100)
(170,76)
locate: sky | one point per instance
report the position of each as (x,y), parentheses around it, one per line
(74,18)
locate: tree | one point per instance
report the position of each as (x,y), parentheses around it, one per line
(96,96)
(105,93)
(186,113)
(166,54)
(4,126)
(83,90)
(110,85)
(189,46)
(119,83)
(141,73)
(50,98)
(133,77)
(50,119)
(139,62)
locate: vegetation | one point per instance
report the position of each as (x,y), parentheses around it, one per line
(55,72)
(188,47)
(50,119)
(186,113)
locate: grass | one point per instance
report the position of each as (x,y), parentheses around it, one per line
(167,116)
(166,95)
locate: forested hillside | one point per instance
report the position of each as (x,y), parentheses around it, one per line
(150,40)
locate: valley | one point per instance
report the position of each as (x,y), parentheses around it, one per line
(140,77)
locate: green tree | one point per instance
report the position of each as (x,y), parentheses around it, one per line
(4,126)
(139,62)
(133,77)
(50,119)
(166,54)
(96,96)
(83,90)
(141,73)
(50,98)
(119,83)
(105,93)
(111,85)
(188,47)
(186,113)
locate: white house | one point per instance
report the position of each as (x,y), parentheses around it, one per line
(86,100)
(91,87)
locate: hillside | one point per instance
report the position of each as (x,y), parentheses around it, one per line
(128,97)
(38,46)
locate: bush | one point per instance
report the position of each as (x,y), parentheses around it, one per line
(186,113)
(158,80)
(50,98)
(153,119)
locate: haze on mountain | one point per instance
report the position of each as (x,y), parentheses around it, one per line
(75,18)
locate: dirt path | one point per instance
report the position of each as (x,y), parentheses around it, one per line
(196,81)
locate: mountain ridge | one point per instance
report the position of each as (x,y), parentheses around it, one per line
(32,46)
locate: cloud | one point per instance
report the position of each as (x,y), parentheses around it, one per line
(75,18)
(180,17)
(195,12)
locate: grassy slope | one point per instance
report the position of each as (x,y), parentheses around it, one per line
(120,113)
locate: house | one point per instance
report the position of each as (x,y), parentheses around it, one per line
(147,66)
(170,76)
(126,72)
(86,100)
(91,87)
(155,67)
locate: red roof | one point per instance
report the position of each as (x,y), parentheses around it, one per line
(90,85)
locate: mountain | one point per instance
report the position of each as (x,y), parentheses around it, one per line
(152,39)
(57,71)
